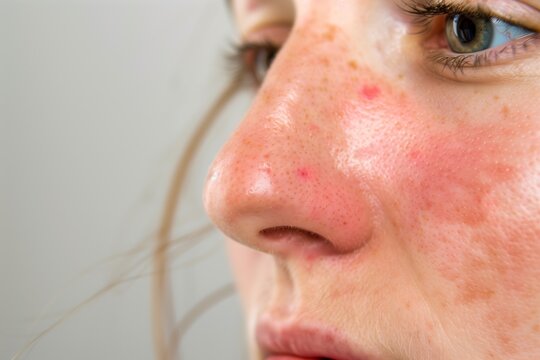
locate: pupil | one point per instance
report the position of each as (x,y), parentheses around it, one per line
(465,29)
(270,57)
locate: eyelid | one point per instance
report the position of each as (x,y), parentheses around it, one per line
(268,14)
(519,12)
(275,33)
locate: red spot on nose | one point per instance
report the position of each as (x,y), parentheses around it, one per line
(370,92)
(303,173)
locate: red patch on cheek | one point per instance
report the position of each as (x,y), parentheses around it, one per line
(449,176)
(455,195)
(370,92)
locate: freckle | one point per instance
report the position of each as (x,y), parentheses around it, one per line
(496,97)
(370,92)
(403,95)
(505,111)
(353,64)
(474,292)
(415,154)
(330,33)
(507,343)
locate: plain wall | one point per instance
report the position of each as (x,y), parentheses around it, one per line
(97,100)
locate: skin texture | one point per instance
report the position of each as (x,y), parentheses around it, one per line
(373,192)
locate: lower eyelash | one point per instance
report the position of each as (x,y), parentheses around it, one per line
(458,63)
(453,63)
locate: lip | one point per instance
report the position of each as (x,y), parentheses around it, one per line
(295,341)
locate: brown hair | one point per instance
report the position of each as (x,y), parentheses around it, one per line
(166,337)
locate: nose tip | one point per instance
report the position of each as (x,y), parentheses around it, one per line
(274,204)
(282,183)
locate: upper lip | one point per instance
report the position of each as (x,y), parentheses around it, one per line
(304,341)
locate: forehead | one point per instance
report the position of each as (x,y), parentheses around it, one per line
(253,14)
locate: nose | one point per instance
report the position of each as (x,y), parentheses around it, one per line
(278,185)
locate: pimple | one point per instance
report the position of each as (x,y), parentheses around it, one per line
(370,92)
(303,173)
(325,61)
(314,128)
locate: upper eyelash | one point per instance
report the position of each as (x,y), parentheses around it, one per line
(424,12)
(434,8)
(240,49)
(236,58)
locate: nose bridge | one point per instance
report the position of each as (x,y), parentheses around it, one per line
(279,170)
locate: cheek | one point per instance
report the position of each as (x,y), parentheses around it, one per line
(470,209)
(450,175)
(462,194)
(470,188)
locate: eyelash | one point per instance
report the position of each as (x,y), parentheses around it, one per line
(424,13)
(244,57)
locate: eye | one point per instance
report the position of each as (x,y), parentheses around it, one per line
(468,34)
(263,59)
(256,59)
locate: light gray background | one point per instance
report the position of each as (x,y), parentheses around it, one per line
(97,99)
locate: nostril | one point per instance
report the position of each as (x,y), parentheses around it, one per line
(284,232)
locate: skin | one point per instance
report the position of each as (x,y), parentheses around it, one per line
(416,188)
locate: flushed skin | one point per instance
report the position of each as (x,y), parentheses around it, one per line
(384,198)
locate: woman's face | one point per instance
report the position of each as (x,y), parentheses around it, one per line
(381,198)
